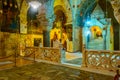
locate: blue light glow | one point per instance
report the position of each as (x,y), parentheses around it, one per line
(87,32)
(88,22)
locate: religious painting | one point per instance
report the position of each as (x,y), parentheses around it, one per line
(37,42)
(34,27)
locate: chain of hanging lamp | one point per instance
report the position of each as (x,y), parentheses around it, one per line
(106,13)
(88,15)
(41,1)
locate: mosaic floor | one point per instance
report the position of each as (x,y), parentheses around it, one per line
(46,71)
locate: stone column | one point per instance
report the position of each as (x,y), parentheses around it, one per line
(80,39)
(0,27)
(0,42)
(119,36)
(108,38)
(75,28)
(108,34)
(104,38)
(46,33)
(84,34)
(1,11)
(50,17)
(46,38)
(84,64)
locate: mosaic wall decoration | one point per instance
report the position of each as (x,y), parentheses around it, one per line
(9,44)
(10,19)
(37,41)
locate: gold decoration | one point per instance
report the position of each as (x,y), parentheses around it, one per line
(11,4)
(5,3)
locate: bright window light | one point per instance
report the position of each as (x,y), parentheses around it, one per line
(87,32)
(88,22)
(35,4)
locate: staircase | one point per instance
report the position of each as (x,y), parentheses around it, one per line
(96,44)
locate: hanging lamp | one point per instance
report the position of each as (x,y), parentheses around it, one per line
(35,4)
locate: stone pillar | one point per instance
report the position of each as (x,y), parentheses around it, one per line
(104,38)
(74,31)
(108,35)
(49,5)
(77,39)
(0,43)
(84,35)
(75,28)
(46,34)
(108,38)
(84,56)
(46,38)
(23,17)
(119,36)
(80,39)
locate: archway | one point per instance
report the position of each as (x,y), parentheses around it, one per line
(59,28)
(94,37)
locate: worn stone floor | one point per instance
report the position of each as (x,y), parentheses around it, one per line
(48,71)
(77,61)
(8,63)
(73,59)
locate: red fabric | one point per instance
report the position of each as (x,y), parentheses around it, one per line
(117,77)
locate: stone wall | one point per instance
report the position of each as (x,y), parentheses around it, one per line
(11,43)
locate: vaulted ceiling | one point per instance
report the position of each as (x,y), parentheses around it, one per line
(113,6)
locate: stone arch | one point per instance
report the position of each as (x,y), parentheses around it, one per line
(59,7)
(88,10)
(60,14)
(64,5)
(59,25)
